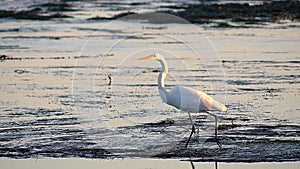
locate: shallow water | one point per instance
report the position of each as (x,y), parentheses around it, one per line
(57,99)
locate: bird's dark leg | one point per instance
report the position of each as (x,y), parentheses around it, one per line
(192,132)
(193,129)
(216,128)
(192,164)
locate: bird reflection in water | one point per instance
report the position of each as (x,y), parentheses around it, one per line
(193,166)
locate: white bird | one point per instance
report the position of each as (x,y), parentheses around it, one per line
(185,98)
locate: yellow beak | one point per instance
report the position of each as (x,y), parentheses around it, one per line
(146,58)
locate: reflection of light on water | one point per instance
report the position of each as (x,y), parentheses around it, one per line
(255,60)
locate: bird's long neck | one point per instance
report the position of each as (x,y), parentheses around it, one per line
(162,74)
(161,80)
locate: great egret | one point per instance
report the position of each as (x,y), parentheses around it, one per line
(185,98)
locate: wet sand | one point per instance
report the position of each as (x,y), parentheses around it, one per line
(58,101)
(45,98)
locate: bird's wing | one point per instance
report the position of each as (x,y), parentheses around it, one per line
(191,100)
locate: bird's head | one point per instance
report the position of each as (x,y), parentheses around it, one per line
(154,56)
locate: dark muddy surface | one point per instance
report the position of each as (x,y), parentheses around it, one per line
(271,11)
(257,144)
(204,12)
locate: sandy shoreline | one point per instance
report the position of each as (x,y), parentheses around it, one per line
(134,164)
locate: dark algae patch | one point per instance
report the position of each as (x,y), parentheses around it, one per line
(112,18)
(49,151)
(45,11)
(33,14)
(203,13)
(267,11)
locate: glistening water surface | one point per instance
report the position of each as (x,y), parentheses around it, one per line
(75,89)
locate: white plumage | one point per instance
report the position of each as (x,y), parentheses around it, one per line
(185,98)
